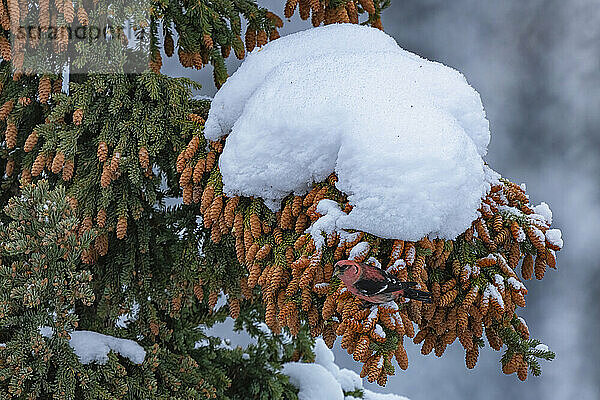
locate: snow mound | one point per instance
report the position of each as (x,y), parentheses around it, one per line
(324,380)
(313,382)
(348,380)
(405,135)
(94,347)
(228,105)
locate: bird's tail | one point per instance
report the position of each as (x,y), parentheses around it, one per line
(418,295)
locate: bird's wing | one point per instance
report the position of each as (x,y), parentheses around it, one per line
(376,281)
(371,287)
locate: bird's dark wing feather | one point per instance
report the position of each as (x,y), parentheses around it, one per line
(370,287)
(388,284)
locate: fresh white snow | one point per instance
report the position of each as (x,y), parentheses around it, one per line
(544,210)
(515,283)
(542,216)
(330,213)
(554,236)
(359,250)
(405,135)
(324,380)
(379,331)
(94,347)
(313,381)
(492,292)
(398,265)
(541,347)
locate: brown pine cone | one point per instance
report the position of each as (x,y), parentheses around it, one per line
(101,218)
(78,116)
(26,176)
(377,24)
(11,135)
(250,39)
(68,170)
(5,50)
(101,244)
(234,308)
(106,176)
(58,162)
(155,62)
(188,194)
(207,41)
(68,11)
(114,162)
(207,198)
(121,227)
(471,357)
(144,157)
(352,12)
(102,152)
(4,17)
(192,147)
(38,164)
(31,141)
(290,8)
(527,267)
(57,86)
(368,6)
(10,167)
(261,38)
(539,266)
(82,16)
(255,226)
(210,161)
(6,109)
(44,89)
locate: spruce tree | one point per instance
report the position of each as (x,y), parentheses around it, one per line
(90,241)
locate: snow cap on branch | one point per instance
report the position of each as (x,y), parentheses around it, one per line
(405,135)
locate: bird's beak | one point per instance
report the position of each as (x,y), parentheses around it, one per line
(336,270)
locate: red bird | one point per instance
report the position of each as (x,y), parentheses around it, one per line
(374,285)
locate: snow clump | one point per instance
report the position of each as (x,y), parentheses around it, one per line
(404,135)
(94,347)
(324,380)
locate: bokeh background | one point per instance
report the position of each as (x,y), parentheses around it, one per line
(536,64)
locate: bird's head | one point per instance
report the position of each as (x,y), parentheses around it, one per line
(346,269)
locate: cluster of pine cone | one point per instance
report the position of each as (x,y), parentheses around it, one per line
(13,18)
(259,37)
(56,163)
(11,115)
(473,279)
(333,13)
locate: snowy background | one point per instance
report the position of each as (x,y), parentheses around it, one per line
(536,65)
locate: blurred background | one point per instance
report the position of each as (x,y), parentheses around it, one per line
(536,64)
